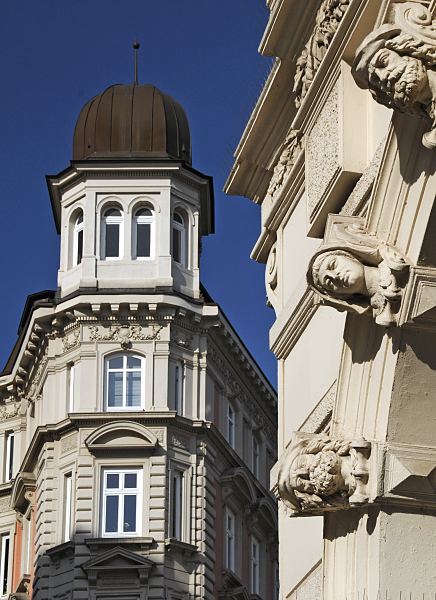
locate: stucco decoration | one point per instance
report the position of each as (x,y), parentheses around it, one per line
(290,150)
(9,411)
(328,19)
(319,474)
(354,271)
(124,334)
(271,276)
(397,63)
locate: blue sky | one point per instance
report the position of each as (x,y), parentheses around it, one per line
(55,56)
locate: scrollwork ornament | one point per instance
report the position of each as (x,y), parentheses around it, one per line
(124,334)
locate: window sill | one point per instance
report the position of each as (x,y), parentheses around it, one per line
(134,543)
(174,545)
(65,549)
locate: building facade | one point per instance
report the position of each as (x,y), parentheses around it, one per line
(136,431)
(340,154)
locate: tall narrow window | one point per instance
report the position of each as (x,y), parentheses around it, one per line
(255,565)
(9,456)
(230,540)
(27,536)
(276,581)
(121,502)
(255,456)
(143,233)
(112,234)
(179,239)
(124,382)
(231,425)
(4,564)
(78,240)
(176,504)
(178,388)
(71,374)
(68,506)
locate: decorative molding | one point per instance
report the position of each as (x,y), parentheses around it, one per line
(397,61)
(71,340)
(320,417)
(69,443)
(291,148)
(318,474)
(182,339)
(328,19)
(9,411)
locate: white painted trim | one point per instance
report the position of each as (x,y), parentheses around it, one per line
(121,491)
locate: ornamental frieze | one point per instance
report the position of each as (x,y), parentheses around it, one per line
(397,63)
(124,334)
(319,474)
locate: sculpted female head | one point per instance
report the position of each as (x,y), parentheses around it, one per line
(338,273)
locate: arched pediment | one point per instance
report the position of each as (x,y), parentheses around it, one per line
(238,483)
(267,515)
(121,435)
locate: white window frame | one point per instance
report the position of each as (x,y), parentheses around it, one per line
(230,539)
(78,228)
(71,377)
(181,227)
(9,456)
(112,220)
(143,220)
(255,562)
(124,370)
(5,564)
(179,385)
(231,425)
(67,507)
(177,497)
(121,492)
(255,455)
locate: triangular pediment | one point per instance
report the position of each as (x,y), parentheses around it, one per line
(118,558)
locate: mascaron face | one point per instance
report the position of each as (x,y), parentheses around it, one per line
(384,62)
(341,275)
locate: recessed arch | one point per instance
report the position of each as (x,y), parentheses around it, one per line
(121,436)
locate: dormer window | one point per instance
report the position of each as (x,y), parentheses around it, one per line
(112,234)
(179,239)
(143,233)
(78,240)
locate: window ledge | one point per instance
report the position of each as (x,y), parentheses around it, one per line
(174,545)
(67,548)
(137,543)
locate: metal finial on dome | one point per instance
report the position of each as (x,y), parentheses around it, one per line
(136,45)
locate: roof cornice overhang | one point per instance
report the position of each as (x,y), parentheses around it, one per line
(81,170)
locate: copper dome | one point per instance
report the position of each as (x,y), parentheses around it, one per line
(132,121)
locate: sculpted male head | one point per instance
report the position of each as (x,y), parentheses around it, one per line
(385,64)
(337,273)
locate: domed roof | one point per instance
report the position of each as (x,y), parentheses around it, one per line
(132,121)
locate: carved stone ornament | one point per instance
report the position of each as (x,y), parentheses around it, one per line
(71,340)
(124,334)
(319,474)
(9,411)
(397,63)
(271,276)
(354,271)
(328,19)
(291,147)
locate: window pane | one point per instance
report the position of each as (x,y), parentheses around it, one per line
(130,480)
(116,362)
(133,362)
(5,564)
(143,236)
(177,245)
(112,240)
(129,514)
(133,388)
(112,481)
(79,247)
(112,212)
(178,218)
(115,391)
(144,212)
(111,524)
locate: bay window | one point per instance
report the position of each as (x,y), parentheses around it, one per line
(121,502)
(124,381)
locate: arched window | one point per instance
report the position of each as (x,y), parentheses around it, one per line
(143,233)
(112,234)
(78,240)
(179,239)
(124,382)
